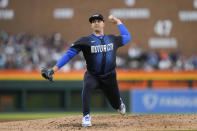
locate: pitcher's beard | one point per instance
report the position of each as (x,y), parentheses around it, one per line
(97,31)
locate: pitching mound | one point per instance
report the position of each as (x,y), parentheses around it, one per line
(107,123)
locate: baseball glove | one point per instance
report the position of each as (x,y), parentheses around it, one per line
(47,74)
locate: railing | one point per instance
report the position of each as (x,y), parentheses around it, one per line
(128,79)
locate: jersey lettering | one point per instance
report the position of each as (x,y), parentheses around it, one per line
(101,48)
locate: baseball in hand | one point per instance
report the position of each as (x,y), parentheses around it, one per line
(110,17)
(114,20)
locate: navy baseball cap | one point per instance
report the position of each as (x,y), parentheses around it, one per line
(96,16)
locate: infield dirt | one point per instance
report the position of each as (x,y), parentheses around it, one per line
(107,123)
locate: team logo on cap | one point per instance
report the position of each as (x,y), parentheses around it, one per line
(95,15)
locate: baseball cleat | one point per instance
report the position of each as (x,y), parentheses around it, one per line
(86,121)
(122,108)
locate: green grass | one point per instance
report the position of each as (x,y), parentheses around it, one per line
(40,115)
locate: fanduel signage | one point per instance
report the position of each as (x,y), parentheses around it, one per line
(164,101)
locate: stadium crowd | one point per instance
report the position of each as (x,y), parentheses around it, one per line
(28,52)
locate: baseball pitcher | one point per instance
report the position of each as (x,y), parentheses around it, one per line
(99,51)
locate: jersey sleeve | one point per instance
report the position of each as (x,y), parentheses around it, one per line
(74,49)
(124,33)
(66,57)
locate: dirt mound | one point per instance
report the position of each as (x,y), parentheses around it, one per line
(107,123)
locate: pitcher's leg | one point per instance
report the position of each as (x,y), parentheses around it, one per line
(89,84)
(111,90)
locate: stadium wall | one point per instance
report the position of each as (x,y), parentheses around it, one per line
(28,91)
(154,25)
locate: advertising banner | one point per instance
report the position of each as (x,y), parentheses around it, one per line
(163,101)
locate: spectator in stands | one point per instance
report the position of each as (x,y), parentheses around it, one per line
(152,61)
(24,51)
(120,62)
(134,53)
(2,56)
(188,64)
(164,62)
(195,62)
(177,60)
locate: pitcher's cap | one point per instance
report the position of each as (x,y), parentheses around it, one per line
(96,16)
